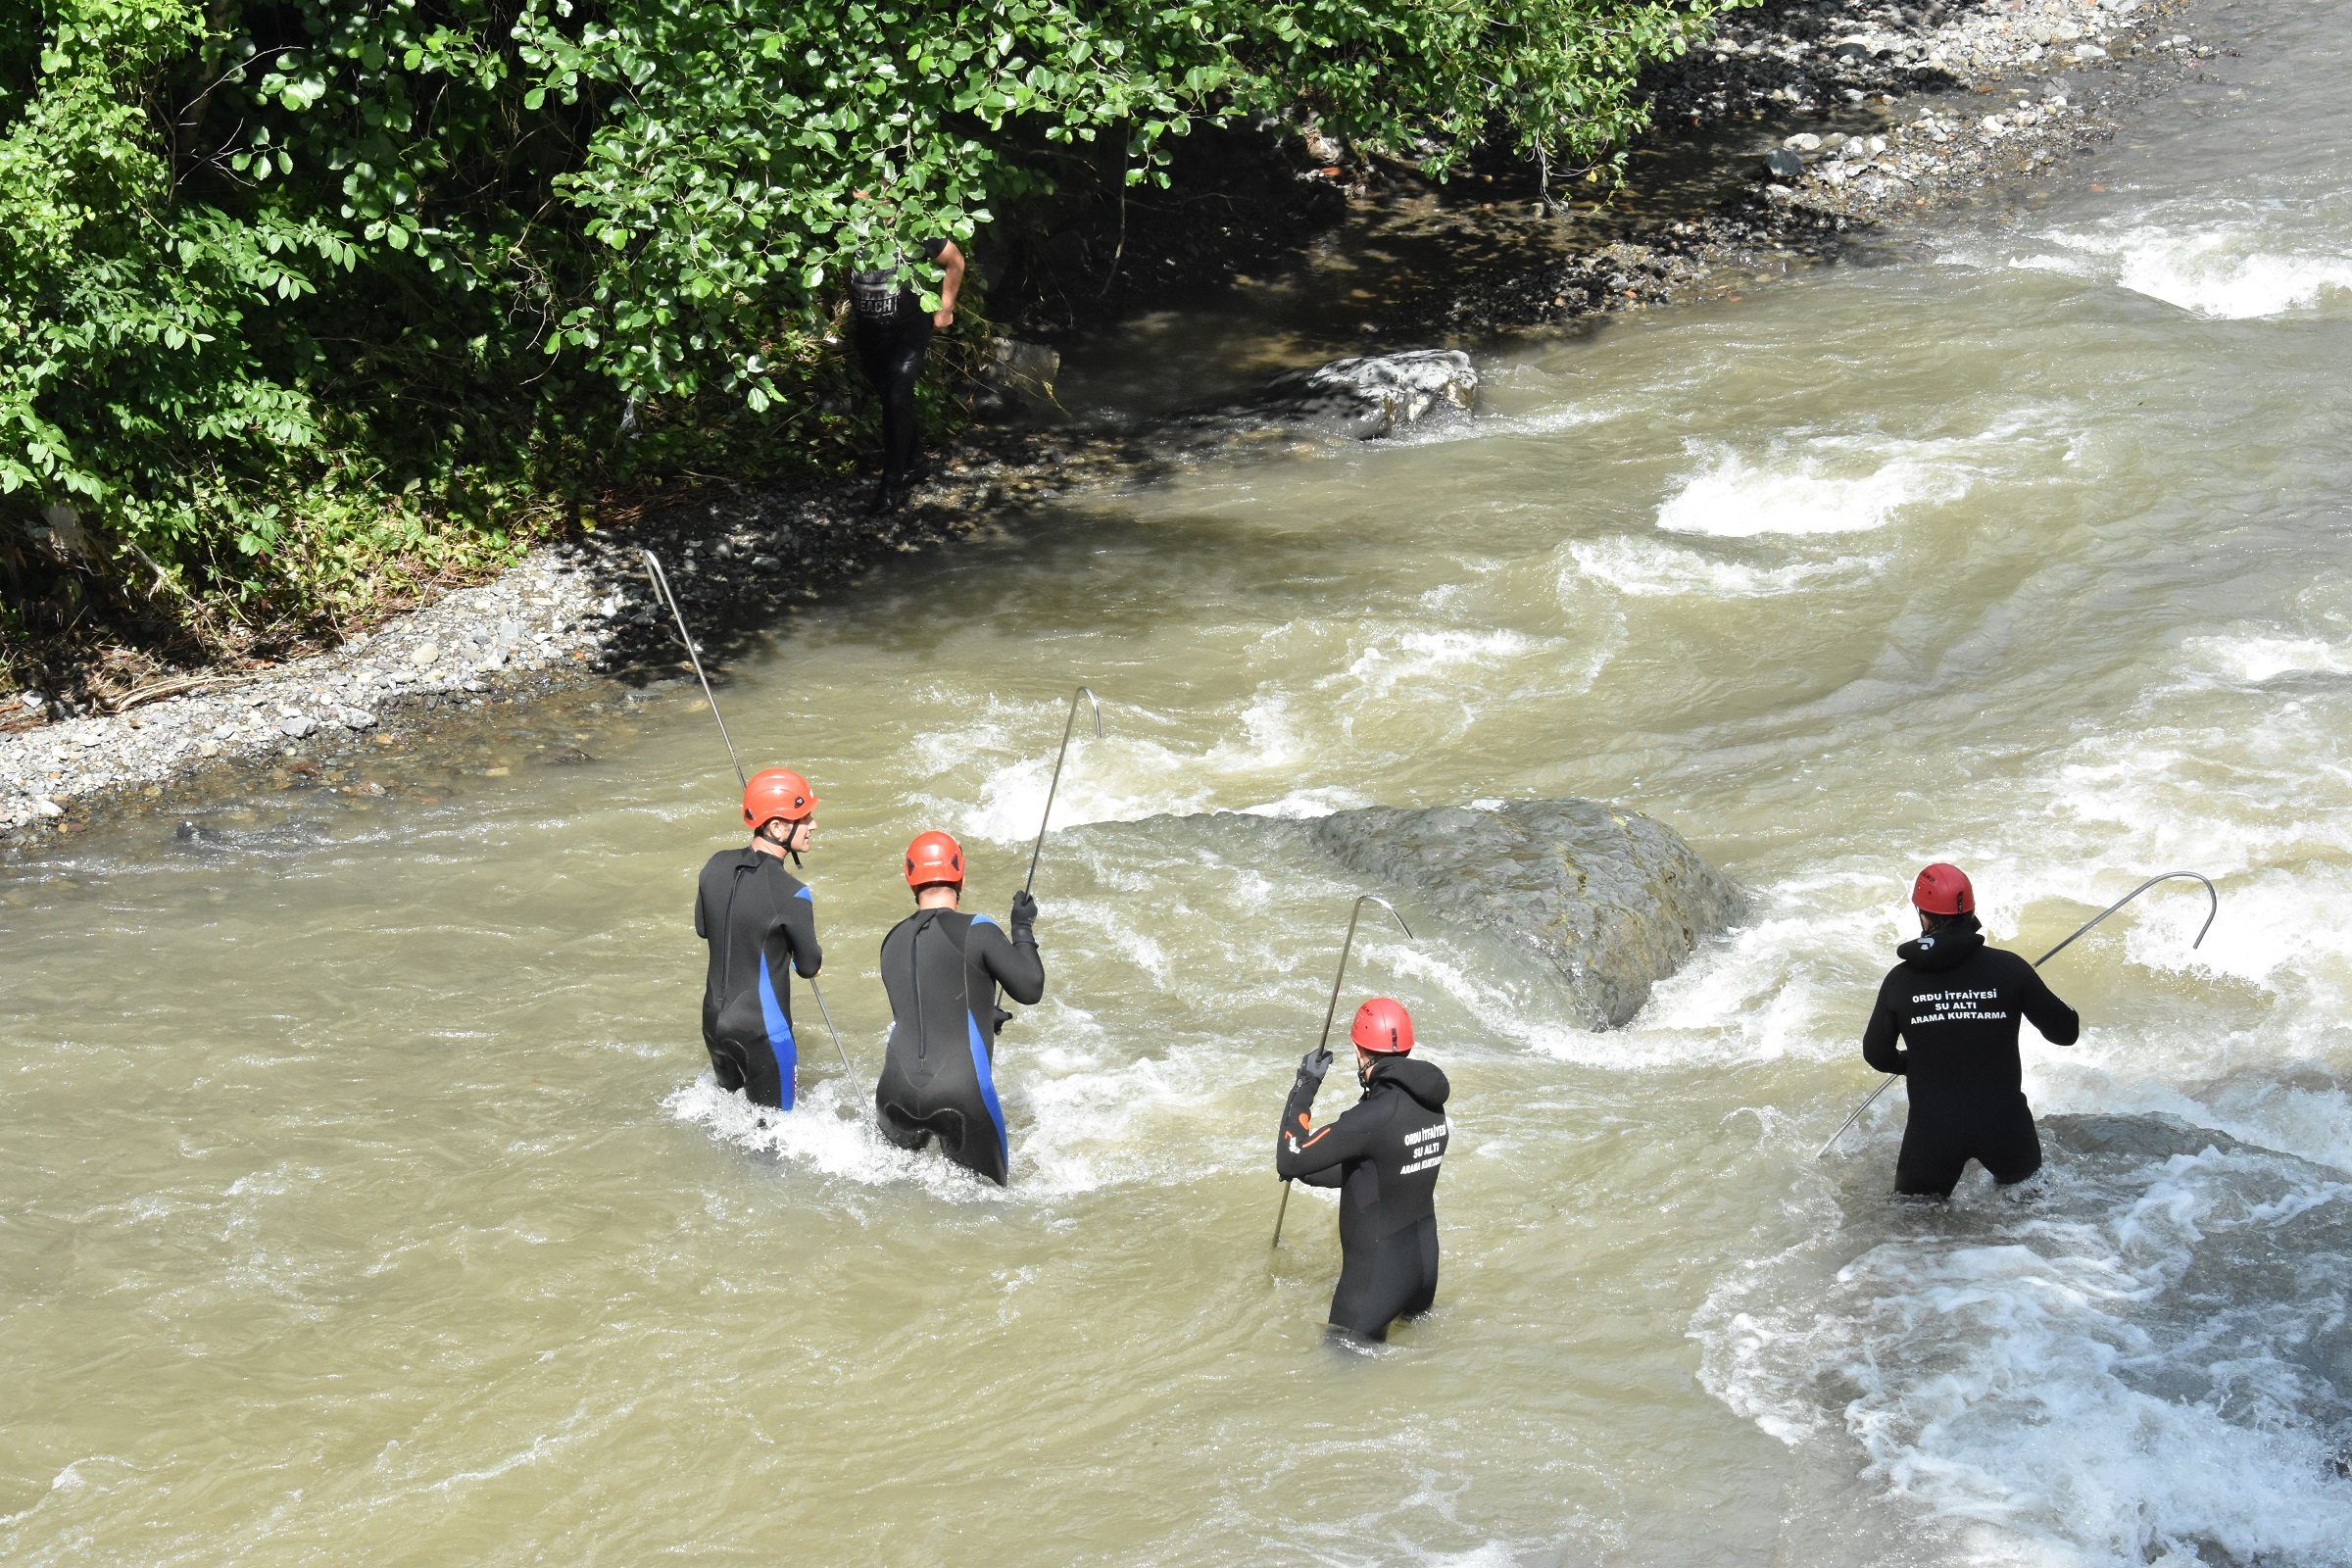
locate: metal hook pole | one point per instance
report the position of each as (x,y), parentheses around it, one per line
(1331,1013)
(1067,727)
(2214,896)
(660,583)
(2046,957)
(827,1014)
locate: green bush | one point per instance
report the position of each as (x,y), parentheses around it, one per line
(298,297)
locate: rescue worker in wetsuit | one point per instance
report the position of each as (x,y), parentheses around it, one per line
(940,967)
(1383,1155)
(892,334)
(761,927)
(1955,1003)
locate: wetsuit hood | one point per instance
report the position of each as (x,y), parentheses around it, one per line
(1419,1079)
(1956,940)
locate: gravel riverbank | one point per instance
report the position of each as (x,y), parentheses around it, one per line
(1818,122)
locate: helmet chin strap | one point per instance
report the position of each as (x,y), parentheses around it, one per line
(792,830)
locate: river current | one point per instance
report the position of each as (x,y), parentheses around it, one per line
(370,1199)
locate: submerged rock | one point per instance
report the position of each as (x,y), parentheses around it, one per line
(2141,1138)
(1611,902)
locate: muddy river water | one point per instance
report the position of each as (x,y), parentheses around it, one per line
(369,1199)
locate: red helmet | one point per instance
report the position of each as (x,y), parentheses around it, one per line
(775,792)
(1383,1027)
(1943,890)
(934,857)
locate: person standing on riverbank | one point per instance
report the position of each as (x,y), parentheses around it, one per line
(941,968)
(892,334)
(1955,1003)
(1383,1157)
(760,924)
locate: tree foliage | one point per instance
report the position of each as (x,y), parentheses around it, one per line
(293,289)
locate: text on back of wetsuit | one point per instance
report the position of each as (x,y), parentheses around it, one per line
(1947,1006)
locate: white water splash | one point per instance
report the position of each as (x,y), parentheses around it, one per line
(1834,484)
(2050,1372)
(2258,659)
(2236,270)
(1646,569)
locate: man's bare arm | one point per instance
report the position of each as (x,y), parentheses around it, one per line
(952,258)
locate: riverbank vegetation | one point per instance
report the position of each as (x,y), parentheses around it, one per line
(309,305)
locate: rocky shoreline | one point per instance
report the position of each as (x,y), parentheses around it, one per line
(1915,106)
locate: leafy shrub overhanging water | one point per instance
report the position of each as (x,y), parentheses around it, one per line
(303,303)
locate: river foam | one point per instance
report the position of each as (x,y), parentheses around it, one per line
(1084,1108)
(2146,1359)
(2258,657)
(2236,270)
(1830,482)
(1646,569)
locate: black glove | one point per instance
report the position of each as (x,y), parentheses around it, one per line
(1002,1019)
(1024,914)
(1311,1068)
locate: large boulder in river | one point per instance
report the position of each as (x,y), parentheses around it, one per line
(1599,904)
(1609,900)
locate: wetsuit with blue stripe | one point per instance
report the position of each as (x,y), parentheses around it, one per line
(762,926)
(941,968)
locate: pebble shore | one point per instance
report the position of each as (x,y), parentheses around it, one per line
(541,621)
(1941,99)
(2037,70)
(1878,112)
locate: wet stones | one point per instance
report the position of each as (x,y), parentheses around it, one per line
(1607,901)
(547,618)
(1366,398)
(1016,377)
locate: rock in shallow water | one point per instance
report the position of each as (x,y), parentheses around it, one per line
(1607,902)
(1610,900)
(1374,396)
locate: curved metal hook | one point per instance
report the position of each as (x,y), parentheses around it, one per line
(1069,725)
(1355,914)
(2193,876)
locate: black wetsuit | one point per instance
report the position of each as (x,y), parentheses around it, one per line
(1955,1003)
(892,334)
(940,967)
(762,926)
(1383,1157)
